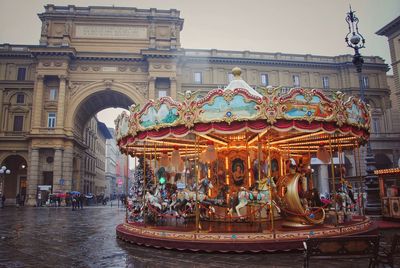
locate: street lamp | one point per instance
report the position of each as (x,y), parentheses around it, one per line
(3,171)
(356,41)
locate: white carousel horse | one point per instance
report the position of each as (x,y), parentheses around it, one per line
(243,200)
(153,200)
(202,191)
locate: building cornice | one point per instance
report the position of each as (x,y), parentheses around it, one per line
(390,28)
(107,13)
(163,54)
(53,51)
(286,63)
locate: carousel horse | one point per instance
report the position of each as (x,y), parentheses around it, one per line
(242,199)
(153,200)
(221,196)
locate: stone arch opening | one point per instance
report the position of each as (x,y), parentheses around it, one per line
(98,96)
(16,182)
(382,161)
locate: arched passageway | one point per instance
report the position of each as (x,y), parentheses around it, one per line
(14,183)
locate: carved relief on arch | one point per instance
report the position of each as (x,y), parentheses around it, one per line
(122,68)
(75,86)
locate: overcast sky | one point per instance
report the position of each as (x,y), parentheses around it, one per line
(298,26)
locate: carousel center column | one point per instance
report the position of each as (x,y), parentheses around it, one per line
(323,182)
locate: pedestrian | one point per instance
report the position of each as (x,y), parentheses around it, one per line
(18,200)
(39,199)
(81,201)
(74,202)
(3,200)
(23,200)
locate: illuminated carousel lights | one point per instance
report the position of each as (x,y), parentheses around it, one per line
(387,171)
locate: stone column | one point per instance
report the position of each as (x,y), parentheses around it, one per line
(33,176)
(323,180)
(173,87)
(57,169)
(78,174)
(67,168)
(61,102)
(38,104)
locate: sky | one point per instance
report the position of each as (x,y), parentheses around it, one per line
(315,27)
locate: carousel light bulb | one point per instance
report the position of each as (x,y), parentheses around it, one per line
(162,180)
(8,171)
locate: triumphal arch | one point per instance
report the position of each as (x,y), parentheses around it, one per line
(89,59)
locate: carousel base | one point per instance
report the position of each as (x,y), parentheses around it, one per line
(235,237)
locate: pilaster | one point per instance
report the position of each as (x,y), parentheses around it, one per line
(33,176)
(173,87)
(57,169)
(152,88)
(38,101)
(67,168)
(61,102)
(1,107)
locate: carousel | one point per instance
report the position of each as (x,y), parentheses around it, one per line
(230,171)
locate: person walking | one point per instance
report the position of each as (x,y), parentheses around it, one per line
(18,200)
(3,200)
(81,197)
(74,202)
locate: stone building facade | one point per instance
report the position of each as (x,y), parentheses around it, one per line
(92,58)
(111,163)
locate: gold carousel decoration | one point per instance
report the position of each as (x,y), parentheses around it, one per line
(237,154)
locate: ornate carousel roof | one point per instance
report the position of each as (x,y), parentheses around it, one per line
(239,108)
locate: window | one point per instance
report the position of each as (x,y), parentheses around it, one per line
(20,98)
(162,93)
(230,77)
(198,79)
(325,82)
(365,81)
(18,123)
(53,94)
(21,74)
(264,80)
(296,81)
(51,120)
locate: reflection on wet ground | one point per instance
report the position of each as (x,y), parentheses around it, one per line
(59,237)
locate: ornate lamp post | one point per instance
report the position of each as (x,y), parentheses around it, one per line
(356,41)
(3,171)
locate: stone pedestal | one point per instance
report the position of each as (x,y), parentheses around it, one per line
(373,204)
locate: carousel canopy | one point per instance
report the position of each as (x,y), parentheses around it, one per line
(299,120)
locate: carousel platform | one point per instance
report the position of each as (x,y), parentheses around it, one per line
(235,237)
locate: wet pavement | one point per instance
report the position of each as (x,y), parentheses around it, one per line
(59,237)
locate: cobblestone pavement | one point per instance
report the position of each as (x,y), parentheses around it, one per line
(59,237)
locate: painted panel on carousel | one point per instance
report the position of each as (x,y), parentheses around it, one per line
(154,117)
(220,108)
(306,105)
(122,125)
(355,115)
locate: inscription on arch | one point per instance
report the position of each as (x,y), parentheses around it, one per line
(111,31)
